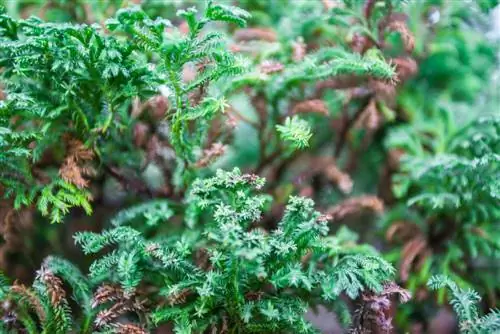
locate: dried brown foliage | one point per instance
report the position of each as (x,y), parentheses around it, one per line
(202,259)
(128,329)
(141,132)
(211,154)
(119,308)
(360,43)
(402,231)
(406,35)
(315,106)
(385,91)
(373,315)
(370,117)
(105,317)
(29,297)
(368,8)
(329,4)
(254,295)
(326,167)
(121,303)
(156,106)
(220,329)
(356,205)
(107,293)
(338,177)
(179,297)
(255,34)
(340,82)
(54,286)
(15,227)
(76,166)
(415,249)
(269,67)
(406,67)
(299,50)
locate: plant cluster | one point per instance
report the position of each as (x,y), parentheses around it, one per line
(231,144)
(229,275)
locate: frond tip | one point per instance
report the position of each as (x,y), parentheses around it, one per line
(296,131)
(465,305)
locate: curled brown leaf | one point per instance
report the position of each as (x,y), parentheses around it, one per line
(253,34)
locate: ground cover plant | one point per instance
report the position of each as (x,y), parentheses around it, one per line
(236,166)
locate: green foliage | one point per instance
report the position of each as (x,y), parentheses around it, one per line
(459,56)
(103,103)
(204,53)
(463,170)
(451,177)
(332,62)
(233,274)
(79,81)
(291,53)
(464,304)
(445,218)
(296,131)
(61,79)
(153,212)
(45,308)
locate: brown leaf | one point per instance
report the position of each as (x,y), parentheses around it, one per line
(107,293)
(406,67)
(75,165)
(72,173)
(385,91)
(340,178)
(179,297)
(360,43)
(106,316)
(269,67)
(141,131)
(252,34)
(368,8)
(416,247)
(54,286)
(392,288)
(159,106)
(355,205)
(406,35)
(402,230)
(299,50)
(329,4)
(128,329)
(314,106)
(372,316)
(340,82)
(209,155)
(370,118)
(30,297)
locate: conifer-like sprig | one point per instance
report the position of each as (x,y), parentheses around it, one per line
(296,131)
(465,305)
(45,308)
(206,52)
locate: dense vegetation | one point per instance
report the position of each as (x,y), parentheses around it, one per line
(228,167)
